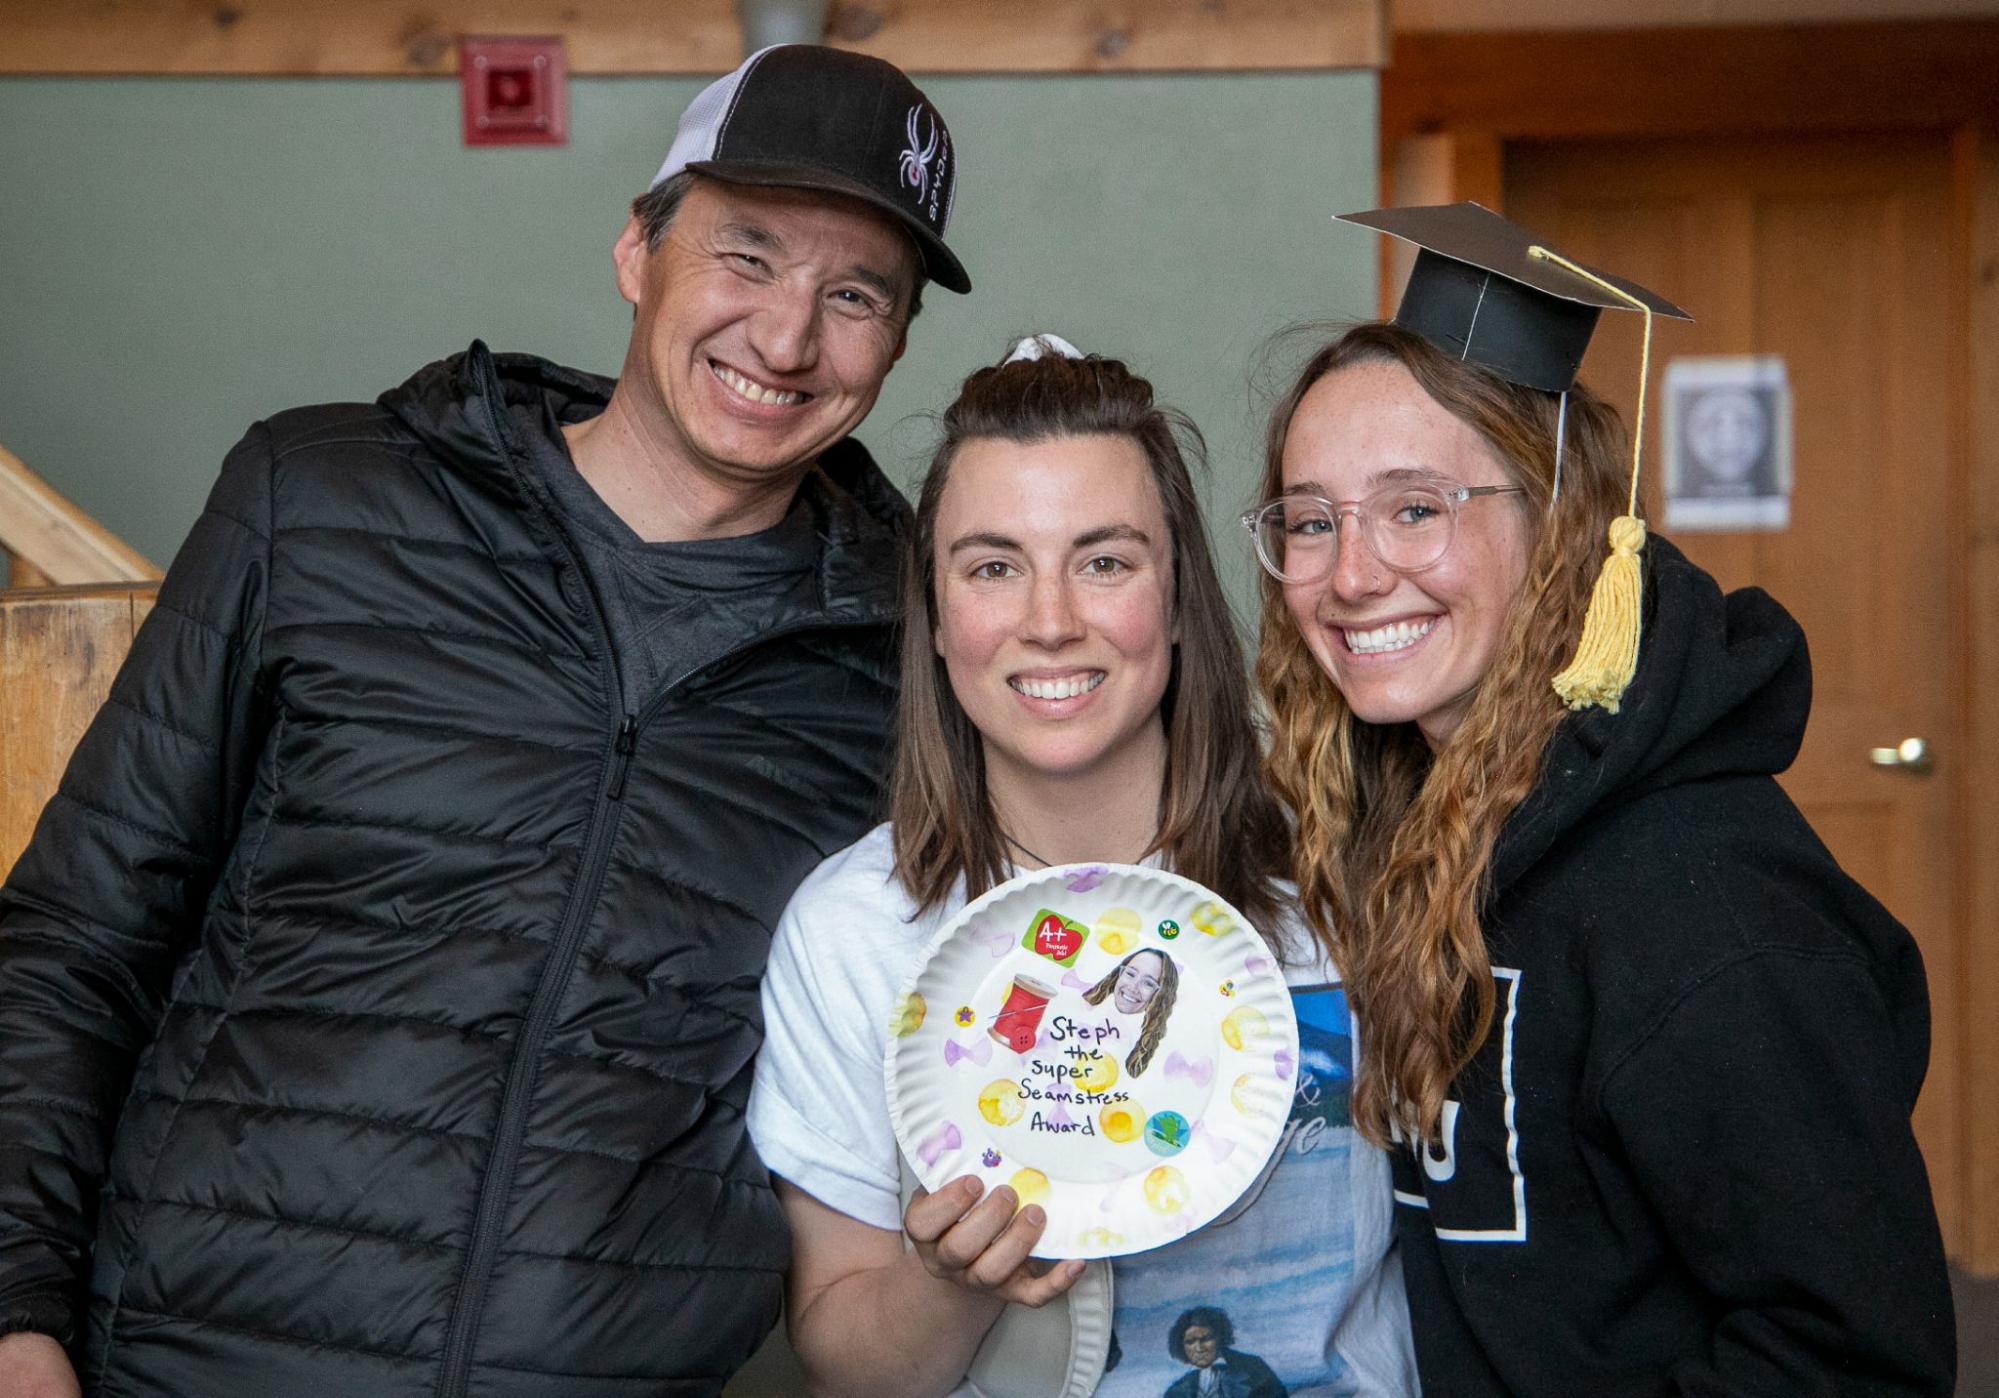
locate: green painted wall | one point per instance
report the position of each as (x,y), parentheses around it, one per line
(180,257)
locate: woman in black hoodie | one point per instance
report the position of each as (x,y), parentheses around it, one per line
(1649,1053)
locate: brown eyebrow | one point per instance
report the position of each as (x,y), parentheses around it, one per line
(878,282)
(983,541)
(765,240)
(754,234)
(1379,478)
(1403,473)
(1109,533)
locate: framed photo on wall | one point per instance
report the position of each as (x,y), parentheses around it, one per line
(1727,443)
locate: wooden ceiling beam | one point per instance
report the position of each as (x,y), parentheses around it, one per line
(386,38)
(1903,75)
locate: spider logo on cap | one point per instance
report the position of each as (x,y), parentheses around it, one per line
(916,158)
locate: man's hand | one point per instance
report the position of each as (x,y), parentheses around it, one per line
(34,1366)
(982,1244)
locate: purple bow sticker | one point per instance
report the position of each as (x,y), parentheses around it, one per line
(945,1137)
(981,1052)
(1196,1071)
(996,940)
(1083,880)
(1072,981)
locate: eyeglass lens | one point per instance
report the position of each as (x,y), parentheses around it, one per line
(1406,527)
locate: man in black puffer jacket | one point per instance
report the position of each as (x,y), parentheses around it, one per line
(379,992)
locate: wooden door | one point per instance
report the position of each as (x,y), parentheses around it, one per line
(1834,253)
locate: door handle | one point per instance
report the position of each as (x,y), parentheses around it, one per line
(1911,755)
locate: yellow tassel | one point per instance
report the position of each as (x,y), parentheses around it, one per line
(1607,656)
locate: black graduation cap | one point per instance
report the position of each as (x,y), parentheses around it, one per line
(1476,292)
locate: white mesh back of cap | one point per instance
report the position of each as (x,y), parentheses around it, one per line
(701,124)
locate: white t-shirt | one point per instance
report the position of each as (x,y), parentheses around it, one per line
(1305,1274)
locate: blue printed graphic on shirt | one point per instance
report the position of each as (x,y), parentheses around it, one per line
(1252,1303)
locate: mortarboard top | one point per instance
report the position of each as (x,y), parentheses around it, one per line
(1477,293)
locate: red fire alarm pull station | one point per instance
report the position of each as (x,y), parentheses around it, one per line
(514,92)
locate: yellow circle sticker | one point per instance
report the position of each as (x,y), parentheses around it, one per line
(1121,1121)
(1031,1185)
(908,1016)
(1166,1189)
(1000,1103)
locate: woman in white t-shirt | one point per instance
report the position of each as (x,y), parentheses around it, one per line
(1072,690)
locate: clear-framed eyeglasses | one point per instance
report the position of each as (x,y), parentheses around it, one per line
(1408,527)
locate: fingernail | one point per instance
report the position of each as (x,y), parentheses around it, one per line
(1033,1214)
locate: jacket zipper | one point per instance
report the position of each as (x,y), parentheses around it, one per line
(496,1186)
(511,1130)
(627,743)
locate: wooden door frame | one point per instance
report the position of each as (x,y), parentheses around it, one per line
(1449,104)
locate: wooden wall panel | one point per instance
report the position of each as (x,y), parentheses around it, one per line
(1977,389)
(59,650)
(1654,82)
(412,37)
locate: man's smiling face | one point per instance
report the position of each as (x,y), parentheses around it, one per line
(767,319)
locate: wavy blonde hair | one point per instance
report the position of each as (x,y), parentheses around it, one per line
(1394,842)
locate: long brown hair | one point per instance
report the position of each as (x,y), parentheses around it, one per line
(1218,823)
(1394,843)
(1153,1027)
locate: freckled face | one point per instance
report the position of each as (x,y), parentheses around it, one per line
(1403,647)
(1137,982)
(1054,589)
(766,322)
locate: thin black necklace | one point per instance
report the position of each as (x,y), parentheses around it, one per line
(1044,863)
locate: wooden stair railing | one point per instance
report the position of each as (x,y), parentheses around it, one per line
(79,593)
(58,542)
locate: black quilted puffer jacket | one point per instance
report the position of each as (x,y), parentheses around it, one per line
(377,999)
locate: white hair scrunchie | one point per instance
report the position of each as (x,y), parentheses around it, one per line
(1037,346)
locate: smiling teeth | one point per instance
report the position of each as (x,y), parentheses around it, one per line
(753,391)
(1058,689)
(1393,636)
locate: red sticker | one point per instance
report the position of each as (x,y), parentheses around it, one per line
(1055,937)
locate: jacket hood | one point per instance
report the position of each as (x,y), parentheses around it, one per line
(1723,688)
(471,410)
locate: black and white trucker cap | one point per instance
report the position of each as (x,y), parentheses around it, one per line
(807,117)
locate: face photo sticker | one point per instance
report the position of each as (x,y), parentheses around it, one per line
(1137,982)
(1146,983)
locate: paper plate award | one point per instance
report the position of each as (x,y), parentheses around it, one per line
(1115,1043)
